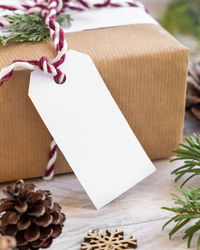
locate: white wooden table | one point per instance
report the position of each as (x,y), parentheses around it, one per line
(137,212)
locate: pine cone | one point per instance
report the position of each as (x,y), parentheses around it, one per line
(193,90)
(29,215)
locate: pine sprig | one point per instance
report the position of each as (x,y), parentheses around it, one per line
(182,16)
(187,211)
(190,153)
(64,20)
(29,28)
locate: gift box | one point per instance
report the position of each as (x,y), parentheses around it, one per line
(145,70)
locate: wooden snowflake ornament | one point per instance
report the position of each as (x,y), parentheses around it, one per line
(110,240)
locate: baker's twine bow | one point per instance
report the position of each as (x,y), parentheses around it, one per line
(49,9)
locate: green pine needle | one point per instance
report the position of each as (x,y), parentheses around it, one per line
(187,211)
(182,16)
(29,28)
(190,153)
(64,20)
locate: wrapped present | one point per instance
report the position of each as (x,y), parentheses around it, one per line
(145,70)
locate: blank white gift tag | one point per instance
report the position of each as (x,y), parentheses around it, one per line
(90,129)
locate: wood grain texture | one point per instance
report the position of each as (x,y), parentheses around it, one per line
(137,211)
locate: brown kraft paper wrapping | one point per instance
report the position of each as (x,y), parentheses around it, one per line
(143,67)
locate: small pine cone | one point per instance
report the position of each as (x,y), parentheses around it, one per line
(193,90)
(29,215)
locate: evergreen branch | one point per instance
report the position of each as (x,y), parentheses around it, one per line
(187,211)
(64,20)
(190,153)
(182,16)
(29,28)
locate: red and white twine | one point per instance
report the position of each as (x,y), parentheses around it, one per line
(49,9)
(50,167)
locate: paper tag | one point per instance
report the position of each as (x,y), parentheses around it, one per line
(108,17)
(90,130)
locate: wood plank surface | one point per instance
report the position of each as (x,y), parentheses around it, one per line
(137,211)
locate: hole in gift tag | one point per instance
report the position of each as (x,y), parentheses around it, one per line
(60,78)
(56,80)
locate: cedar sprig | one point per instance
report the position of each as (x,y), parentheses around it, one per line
(187,211)
(190,153)
(29,28)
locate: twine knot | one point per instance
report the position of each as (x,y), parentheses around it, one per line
(48,9)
